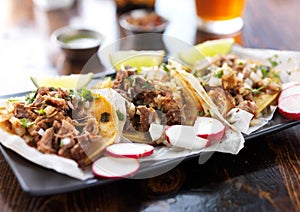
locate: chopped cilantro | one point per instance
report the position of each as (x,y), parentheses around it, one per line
(256,90)
(70,95)
(86,94)
(165,68)
(40,111)
(120,115)
(29,98)
(275,75)
(264,70)
(219,74)
(13,100)
(273,60)
(25,122)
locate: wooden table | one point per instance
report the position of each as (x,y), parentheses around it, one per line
(264,176)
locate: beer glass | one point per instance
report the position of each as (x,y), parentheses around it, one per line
(220,16)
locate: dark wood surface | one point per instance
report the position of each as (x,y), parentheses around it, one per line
(264,176)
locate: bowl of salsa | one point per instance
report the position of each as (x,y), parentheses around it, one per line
(143,21)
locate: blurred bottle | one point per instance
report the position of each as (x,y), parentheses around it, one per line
(127,5)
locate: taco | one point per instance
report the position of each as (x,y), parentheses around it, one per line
(77,125)
(239,84)
(155,97)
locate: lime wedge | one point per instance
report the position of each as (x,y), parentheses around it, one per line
(137,59)
(206,49)
(73,81)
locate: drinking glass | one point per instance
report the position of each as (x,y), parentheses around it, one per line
(220,16)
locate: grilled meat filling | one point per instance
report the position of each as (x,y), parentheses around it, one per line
(55,121)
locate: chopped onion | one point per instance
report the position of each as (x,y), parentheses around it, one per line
(86,105)
(156,131)
(65,141)
(70,105)
(41,132)
(254,77)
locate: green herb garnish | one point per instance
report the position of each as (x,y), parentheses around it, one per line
(256,90)
(120,115)
(264,70)
(219,74)
(165,68)
(201,113)
(40,111)
(273,60)
(29,97)
(70,95)
(86,94)
(25,122)
(14,100)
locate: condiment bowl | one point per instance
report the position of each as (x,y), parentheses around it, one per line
(143,21)
(78,45)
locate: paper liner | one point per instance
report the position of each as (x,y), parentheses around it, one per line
(233,141)
(60,164)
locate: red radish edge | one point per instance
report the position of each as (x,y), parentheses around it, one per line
(185,137)
(215,135)
(289,84)
(110,167)
(292,90)
(130,150)
(167,137)
(287,105)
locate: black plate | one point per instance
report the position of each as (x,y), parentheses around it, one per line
(39,181)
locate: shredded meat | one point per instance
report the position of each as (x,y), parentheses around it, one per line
(170,112)
(57,123)
(67,129)
(143,118)
(45,144)
(248,106)
(222,99)
(242,81)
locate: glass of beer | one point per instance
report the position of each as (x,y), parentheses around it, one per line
(220,16)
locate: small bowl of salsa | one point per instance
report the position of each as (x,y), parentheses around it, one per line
(78,45)
(143,21)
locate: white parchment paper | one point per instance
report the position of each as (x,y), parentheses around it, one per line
(233,141)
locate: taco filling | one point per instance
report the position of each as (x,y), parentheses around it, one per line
(232,82)
(71,124)
(154,96)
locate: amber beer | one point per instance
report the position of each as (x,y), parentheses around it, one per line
(209,11)
(127,5)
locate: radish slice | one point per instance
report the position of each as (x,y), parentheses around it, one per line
(110,167)
(289,107)
(288,85)
(185,137)
(130,150)
(289,92)
(209,128)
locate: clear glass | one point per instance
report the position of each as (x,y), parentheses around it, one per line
(220,16)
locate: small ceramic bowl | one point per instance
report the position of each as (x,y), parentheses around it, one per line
(143,21)
(78,45)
